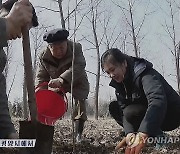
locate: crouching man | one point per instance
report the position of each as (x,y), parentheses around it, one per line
(55,67)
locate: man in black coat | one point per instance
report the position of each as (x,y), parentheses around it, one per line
(146,104)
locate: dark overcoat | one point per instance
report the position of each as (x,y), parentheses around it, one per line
(144,85)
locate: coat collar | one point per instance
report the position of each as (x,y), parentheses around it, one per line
(136,66)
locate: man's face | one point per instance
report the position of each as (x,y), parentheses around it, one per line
(58,49)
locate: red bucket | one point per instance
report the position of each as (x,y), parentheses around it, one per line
(50,105)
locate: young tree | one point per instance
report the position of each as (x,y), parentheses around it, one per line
(9,56)
(37,41)
(8,52)
(135,27)
(93,18)
(103,34)
(61,13)
(171,28)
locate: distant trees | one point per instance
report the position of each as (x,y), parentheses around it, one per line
(9,55)
(102,33)
(171,27)
(93,19)
(37,42)
(134,27)
(101,25)
(8,52)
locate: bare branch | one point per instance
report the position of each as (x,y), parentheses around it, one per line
(89,41)
(139,29)
(45,8)
(116,39)
(9,91)
(73,9)
(122,9)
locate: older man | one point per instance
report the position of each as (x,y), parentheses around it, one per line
(56,68)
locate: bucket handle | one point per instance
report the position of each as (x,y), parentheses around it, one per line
(61,91)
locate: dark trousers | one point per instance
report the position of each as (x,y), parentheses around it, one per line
(134,114)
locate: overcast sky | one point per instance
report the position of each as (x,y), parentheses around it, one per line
(152,47)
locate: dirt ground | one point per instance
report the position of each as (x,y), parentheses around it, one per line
(99,137)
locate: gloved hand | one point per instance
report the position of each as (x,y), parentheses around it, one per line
(134,143)
(56,83)
(19,16)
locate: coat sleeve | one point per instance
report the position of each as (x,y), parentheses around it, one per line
(79,65)
(128,127)
(41,74)
(157,103)
(3,34)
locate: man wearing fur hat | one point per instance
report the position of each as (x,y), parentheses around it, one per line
(55,67)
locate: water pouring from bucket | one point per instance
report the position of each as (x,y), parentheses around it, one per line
(50,105)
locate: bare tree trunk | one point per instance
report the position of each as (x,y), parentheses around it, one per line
(35,63)
(171,31)
(68,17)
(9,56)
(133,31)
(6,69)
(94,15)
(97,90)
(61,14)
(12,84)
(25,103)
(98,74)
(178,67)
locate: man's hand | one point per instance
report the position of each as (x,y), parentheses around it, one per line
(53,89)
(134,143)
(55,83)
(19,16)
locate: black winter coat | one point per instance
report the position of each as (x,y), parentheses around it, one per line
(143,84)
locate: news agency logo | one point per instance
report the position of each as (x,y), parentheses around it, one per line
(17,143)
(164,139)
(135,140)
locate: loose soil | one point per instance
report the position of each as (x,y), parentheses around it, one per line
(99,137)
